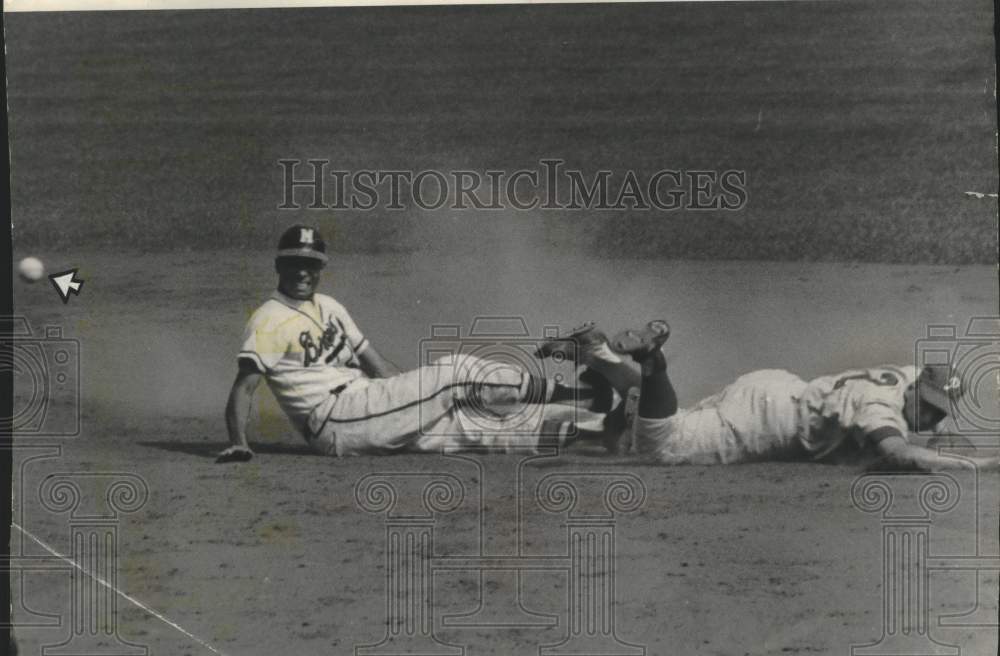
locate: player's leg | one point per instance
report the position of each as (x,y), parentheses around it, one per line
(753,418)
(494,384)
(659,430)
(588,346)
(612,430)
(502,407)
(657,398)
(421,409)
(699,436)
(465,429)
(749,418)
(379,415)
(599,392)
(763,409)
(622,375)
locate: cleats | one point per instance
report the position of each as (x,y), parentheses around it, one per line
(580,340)
(640,343)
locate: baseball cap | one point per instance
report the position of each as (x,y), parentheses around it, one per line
(302,241)
(940,386)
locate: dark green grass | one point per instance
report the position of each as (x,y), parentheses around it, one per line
(859,125)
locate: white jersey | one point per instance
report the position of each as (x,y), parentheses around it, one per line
(842,410)
(774,414)
(305,349)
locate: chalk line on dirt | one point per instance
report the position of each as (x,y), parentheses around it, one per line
(120,593)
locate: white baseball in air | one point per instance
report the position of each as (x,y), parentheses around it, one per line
(31,269)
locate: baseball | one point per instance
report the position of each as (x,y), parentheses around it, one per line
(31,269)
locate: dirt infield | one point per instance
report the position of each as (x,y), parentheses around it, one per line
(275,556)
(153,138)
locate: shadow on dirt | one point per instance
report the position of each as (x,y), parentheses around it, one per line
(211,449)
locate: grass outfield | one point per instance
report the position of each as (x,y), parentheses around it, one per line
(860,125)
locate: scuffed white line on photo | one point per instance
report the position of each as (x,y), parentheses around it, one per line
(123,595)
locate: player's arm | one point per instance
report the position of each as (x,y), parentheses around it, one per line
(901,454)
(375,365)
(238,412)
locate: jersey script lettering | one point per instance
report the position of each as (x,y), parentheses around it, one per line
(332,338)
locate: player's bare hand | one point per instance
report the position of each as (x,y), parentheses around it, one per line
(235,453)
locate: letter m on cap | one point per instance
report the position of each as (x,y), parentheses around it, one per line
(306,236)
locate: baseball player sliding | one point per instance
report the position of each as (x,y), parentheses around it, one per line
(346,399)
(771,414)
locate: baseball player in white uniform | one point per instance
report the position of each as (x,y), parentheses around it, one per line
(346,399)
(772,414)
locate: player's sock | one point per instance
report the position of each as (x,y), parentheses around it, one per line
(651,362)
(657,398)
(604,393)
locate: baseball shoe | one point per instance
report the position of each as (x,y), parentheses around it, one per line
(640,343)
(581,339)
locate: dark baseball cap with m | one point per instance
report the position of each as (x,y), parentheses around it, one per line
(302,241)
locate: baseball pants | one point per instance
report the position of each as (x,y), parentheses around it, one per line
(458,402)
(756,417)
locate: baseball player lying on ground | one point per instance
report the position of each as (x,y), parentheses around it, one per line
(770,414)
(346,399)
